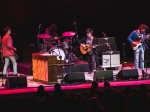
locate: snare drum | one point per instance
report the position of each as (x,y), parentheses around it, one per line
(59,53)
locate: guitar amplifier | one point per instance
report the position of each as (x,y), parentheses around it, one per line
(103,40)
(111,59)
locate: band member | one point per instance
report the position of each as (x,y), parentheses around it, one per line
(8,52)
(91,56)
(137,39)
(52,31)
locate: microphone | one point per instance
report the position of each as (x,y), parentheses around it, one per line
(74,22)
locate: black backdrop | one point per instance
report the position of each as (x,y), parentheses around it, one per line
(114,17)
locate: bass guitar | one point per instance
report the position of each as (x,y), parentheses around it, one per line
(88,48)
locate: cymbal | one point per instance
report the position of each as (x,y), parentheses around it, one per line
(68,34)
(44,36)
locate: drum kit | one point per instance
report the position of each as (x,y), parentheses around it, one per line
(62,50)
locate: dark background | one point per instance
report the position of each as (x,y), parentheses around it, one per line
(116,18)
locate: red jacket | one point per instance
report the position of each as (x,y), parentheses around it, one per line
(7,46)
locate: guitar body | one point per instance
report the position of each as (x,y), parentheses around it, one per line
(85,49)
(137,44)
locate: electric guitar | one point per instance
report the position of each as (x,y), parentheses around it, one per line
(136,44)
(88,48)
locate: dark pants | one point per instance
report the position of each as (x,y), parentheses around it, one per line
(91,61)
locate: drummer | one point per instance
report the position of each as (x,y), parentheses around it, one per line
(52,31)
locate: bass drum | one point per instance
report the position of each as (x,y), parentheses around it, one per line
(59,53)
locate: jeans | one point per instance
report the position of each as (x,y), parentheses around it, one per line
(91,61)
(13,59)
(139,53)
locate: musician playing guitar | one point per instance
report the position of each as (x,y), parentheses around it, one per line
(8,52)
(137,39)
(91,55)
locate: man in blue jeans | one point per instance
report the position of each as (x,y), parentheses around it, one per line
(137,39)
(8,52)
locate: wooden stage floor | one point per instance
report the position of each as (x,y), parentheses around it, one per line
(69,88)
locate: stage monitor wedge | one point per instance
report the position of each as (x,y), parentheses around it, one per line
(74,77)
(16,82)
(103,75)
(127,74)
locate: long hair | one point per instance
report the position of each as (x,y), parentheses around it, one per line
(52,30)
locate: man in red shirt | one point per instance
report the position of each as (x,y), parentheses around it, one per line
(8,52)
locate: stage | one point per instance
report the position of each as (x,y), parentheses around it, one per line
(70,88)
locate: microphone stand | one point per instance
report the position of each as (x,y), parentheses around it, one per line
(2,70)
(110,50)
(2,62)
(38,36)
(145,60)
(75,24)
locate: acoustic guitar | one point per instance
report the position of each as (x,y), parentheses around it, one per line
(87,48)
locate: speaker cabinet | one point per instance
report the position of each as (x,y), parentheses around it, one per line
(127,74)
(110,59)
(103,74)
(16,82)
(74,77)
